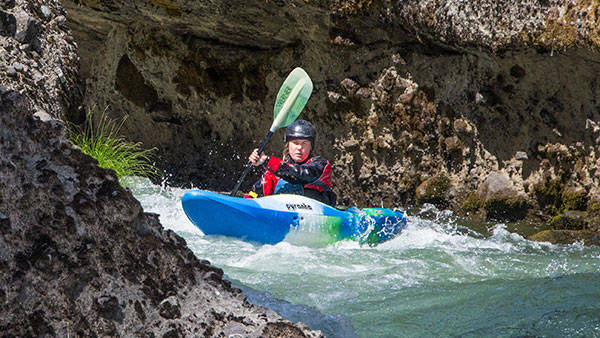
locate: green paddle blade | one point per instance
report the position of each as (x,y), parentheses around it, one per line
(291,99)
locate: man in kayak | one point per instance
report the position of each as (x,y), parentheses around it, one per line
(299,172)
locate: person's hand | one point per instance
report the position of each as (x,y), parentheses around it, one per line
(255,159)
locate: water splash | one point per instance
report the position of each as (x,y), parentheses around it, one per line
(436,278)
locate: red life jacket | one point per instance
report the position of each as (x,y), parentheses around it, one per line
(270,180)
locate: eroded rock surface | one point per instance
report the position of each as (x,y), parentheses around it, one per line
(404,91)
(78,256)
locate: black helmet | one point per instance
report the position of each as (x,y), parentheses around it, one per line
(300,129)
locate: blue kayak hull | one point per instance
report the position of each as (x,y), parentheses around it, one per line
(294,218)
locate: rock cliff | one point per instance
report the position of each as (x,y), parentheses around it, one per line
(79,257)
(407,93)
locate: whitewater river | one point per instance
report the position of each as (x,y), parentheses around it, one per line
(436,279)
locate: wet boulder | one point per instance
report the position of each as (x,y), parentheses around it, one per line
(500,199)
(566,237)
(434,190)
(570,220)
(574,198)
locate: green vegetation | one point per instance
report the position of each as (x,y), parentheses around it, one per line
(574,200)
(103,142)
(471,202)
(549,195)
(556,198)
(570,220)
(434,190)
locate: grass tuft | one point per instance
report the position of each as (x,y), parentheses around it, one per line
(112,151)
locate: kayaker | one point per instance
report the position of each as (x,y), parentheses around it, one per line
(299,172)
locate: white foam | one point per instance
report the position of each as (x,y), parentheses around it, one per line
(164,201)
(432,248)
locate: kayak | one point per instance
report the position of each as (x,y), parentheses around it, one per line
(291,218)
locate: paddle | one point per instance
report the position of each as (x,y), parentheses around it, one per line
(291,99)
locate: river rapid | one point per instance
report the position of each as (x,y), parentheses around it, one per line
(436,279)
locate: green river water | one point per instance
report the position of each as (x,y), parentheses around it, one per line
(436,279)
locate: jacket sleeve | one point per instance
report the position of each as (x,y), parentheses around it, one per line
(297,173)
(258,187)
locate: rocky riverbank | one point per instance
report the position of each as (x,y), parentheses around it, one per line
(79,257)
(487,108)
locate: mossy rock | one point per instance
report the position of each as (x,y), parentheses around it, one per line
(569,220)
(471,203)
(594,207)
(593,220)
(557,198)
(549,194)
(506,209)
(566,237)
(471,206)
(434,190)
(574,199)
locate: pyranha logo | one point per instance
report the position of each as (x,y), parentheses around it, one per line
(295,206)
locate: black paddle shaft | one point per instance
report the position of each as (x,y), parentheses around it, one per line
(249,165)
